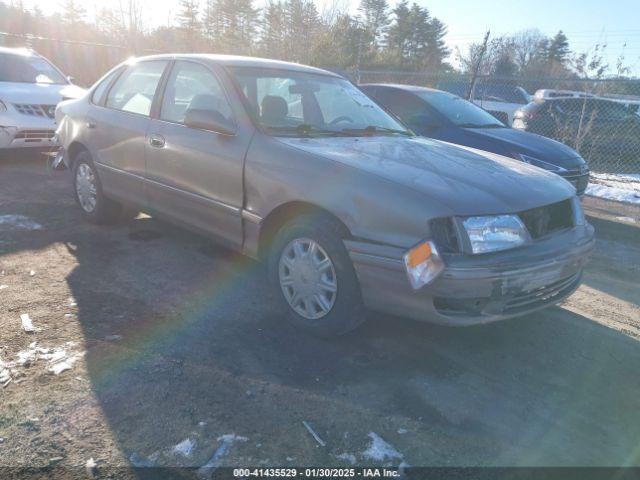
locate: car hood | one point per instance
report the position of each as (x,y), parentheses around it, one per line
(38,93)
(460,180)
(517,141)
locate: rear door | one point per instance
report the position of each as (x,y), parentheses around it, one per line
(118,127)
(196,176)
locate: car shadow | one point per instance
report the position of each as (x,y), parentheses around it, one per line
(208,344)
(615,265)
(184,340)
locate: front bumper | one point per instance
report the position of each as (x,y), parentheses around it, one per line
(26,131)
(476,289)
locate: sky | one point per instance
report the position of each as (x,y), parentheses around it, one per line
(586,22)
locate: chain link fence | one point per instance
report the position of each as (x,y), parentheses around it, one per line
(600,119)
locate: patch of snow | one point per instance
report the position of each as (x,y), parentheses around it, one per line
(215,461)
(380,450)
(185,447)
(27,324)
(32,273)
(402,431)
(626,219)
(58,359)
(622,187)
(64,363)
(18,222)
(2,287)
(232,438)
(347,457)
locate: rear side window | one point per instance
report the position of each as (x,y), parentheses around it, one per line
(192,85)
(100,90)
(135,89)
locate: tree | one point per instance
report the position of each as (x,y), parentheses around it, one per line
(341,45)
(273,30)
(302,26)
(231,25)
(415,39)
(558,49)
(188,18)
(529,47)
(375,19)
(73,14)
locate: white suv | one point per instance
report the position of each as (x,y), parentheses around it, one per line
(30,89)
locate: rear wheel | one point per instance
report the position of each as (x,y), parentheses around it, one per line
(88,192)
(314,277)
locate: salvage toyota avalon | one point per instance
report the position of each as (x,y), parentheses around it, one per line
(296,167)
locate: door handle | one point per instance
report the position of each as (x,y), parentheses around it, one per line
(156,141)
(91,124)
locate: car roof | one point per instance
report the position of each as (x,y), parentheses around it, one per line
(241,61)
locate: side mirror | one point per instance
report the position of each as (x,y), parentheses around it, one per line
(211,120)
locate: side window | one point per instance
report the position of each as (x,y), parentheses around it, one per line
(135,89)
(98,93)
(192,86)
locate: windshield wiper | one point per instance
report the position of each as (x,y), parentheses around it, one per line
(373,129)
(304,130)
(308,129)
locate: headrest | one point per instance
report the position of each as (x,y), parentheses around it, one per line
(274,108)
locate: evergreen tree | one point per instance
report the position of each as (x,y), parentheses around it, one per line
(188,18)
(558,49)
(73,13)
(375,17)
(273,30)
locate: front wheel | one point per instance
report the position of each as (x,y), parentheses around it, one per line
(88,192)
(314,277)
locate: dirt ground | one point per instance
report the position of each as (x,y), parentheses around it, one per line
(174,338)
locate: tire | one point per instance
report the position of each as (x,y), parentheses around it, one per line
(95,207)
(346,310)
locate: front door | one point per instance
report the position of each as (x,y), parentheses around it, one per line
(195,176)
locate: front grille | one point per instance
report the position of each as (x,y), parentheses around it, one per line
(36,110)
(542,221)
(443,233)
(35,135)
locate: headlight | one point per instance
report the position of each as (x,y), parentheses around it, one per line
(536,162)
(423,264)
(491,234)
(3,107)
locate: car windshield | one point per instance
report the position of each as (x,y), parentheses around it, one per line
(28,69)
(289,103)
(461,112)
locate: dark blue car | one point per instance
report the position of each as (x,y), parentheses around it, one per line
(444,116)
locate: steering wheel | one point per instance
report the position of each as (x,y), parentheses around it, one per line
(342,118)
